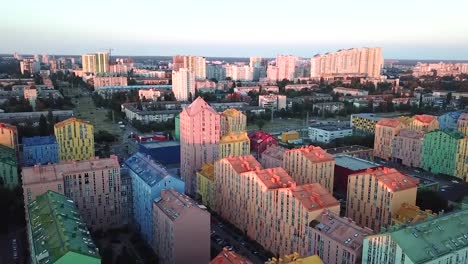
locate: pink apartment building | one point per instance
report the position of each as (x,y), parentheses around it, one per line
(181,229)
(337,239)
(199,138)
(272,157)
(267,205)
(462,123)
(385,132)
(310,164)
(424,123)
(407,147)
(94,186)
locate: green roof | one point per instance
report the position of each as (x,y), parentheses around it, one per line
(433,238)
(57,229)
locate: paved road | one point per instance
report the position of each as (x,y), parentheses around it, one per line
(238,242)
(6,247)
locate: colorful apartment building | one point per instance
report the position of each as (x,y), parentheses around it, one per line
(385,132)
(440,239)
(267,204)
(336,239)
(229,257)
(177,127)
(148,180)
(364,123)
(449,120)
(424,123)
(295,258)
(346,165)
(290,135)
(94,186)
(234,144)
(375,195)
(407,147)
(205,185)
(199,137)
(181,229)
(56,232)
(462,123)
(75,139)
(259,141)
(9,136)
(410,214)
(233,120)
(8,168)
(445,151)
(272,157)
(310,164)
(39,150)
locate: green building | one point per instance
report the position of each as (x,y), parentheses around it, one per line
(57,234)
(440,149)
(8,167)
(177,127)
(439,239)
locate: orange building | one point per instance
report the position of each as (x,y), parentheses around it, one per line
(267,205)
(310,164)
(424,123)
(375,196)
(229,257)
(9,136)
(385,132)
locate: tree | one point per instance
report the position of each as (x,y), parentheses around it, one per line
(260,123)
(43,127)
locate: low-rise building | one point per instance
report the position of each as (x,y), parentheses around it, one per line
(410,214)
(178,220)
(8,168)
(56,232)
(234,144)
(300,87)
(103,81)
(148,180)
(146,116)
(205,185)
(336,239)
(260,140)
(272,157)
(441,239)
(328,133)
(272,101)
(288,136)
(310,164)
(327,107)
(39,150)
(407,147)
(149,94)
(375,195)
(350,91)
(356,151)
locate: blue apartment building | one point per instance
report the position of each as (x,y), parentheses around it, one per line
(148,178)
(39,150)
(449,120)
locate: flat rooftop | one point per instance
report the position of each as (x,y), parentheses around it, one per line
(160,144)
(354,148)
(147,169)
(313,196)
(353,163)
(331,128)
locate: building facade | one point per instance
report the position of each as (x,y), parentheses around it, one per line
(178,220)
(375,195)
(408,148)
(385,132)
(56,232)
(94,186)
(233,120)
(449,120)
(195,64)
(148,180)
(75,139)
(95,62)
(205,185)
(9,136)
(310,164)
(327,134)
(39,150)
(272,101)
(364,123)
(183,84)
(272,157)
(424,123)
(462,123)
(102,81)
(286,65)
(199,138)
(234,144)
(346,165)
(8,168)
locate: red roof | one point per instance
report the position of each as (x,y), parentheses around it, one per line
(314,196)
(427,119)
(313,153)
(389,122)
(391,178)
(229,257)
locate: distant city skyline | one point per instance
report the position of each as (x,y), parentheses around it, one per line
(404,29)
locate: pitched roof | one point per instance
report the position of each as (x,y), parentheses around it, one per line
(197,106)
(426,119)
(389,122)
(391,178)
(70,120)
(229,257)
(313,153)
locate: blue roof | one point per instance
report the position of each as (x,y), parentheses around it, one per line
(159,86)
(455,115)
(146,168)
(37,140)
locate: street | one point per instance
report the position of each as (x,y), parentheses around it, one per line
(13,247)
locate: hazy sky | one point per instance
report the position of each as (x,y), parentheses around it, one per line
(405,29)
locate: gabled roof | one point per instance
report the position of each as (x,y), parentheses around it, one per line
(391,178)
(426,119)
(229,257)
(197,106)
(312,153)
(389,122)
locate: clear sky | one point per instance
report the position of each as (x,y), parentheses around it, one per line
(405,29)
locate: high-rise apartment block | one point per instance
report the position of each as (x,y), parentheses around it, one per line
(9,136)
(385,132)
(446,152)
(75,139)
(95,62)
(441,239)
(94,186)
(8,168)
(407,147)
(462,123)
(267,204)
(148,180)
(56,232)
(286,65)
(256,62)
(336,239)
(449,120)
(205,185)
(29,66)
(30,94)
(424,123)
(375,195)
(272,73)
(233,120)
(183,84)
(273,157)
(215,71)
(310,164)
(199,137)
(39,150)
(195,64)
(239,72)
(234,144)
(181,229)
(357,62)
